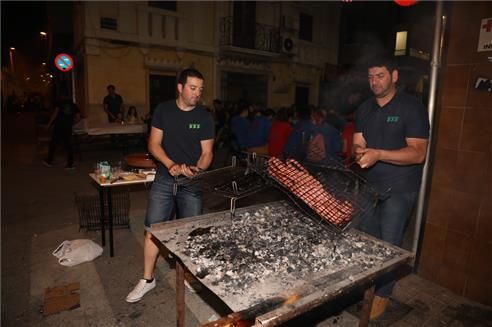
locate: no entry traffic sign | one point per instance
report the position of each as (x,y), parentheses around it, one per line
(64,62)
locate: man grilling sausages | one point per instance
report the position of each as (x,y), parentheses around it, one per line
(390,144)
(181,139)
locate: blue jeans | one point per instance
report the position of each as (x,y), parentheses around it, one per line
(387,221)
(162,201)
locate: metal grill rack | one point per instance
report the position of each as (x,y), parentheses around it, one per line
(236,181)
(332,195)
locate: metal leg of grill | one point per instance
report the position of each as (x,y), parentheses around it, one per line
(110,214)
(366,307)
(180,301)
(101,206)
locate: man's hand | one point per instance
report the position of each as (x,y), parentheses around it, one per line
(183,169)
(367,157)
(175,170)
(359,152)
(188,171)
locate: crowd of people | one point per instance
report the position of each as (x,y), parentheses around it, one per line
(306,133)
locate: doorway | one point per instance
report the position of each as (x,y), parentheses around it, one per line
(302,96)
(161,88)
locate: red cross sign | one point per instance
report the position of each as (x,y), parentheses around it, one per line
(485,37)
(487,25)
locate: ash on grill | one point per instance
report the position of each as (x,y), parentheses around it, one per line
(272,243)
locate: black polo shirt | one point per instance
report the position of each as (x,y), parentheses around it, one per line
(183,131)
(387,128)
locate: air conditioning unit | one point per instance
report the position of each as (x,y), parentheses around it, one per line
(289,44)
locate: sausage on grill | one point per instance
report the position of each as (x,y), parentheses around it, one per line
(295,178)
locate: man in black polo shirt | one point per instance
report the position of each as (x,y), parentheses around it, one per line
(390,144)
(181,140)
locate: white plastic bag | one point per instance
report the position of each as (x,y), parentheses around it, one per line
(71,253)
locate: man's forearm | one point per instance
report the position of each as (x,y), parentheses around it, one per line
(158,152)
(205,160)
(406,156)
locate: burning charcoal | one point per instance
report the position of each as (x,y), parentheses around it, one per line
(201,272)
(271,241)
(200,231)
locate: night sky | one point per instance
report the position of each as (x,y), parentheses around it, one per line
(21,23)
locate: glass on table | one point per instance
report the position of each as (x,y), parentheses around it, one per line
(116,172)
(96,169)
(121,165)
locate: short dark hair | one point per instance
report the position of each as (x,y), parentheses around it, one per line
(188,72)
(383,61)
(110,86)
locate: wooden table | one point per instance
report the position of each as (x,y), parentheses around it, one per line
(320,288)
(106,189)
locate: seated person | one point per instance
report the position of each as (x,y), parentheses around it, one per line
(132,116)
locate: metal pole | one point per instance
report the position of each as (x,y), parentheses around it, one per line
(74,100)
(439,28)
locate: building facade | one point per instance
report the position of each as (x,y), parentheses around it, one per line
(269,53)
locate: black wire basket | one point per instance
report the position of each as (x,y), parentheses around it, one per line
(330,194)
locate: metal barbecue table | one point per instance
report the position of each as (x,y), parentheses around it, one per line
(284,267)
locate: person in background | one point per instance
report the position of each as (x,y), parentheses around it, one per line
(390,145)
(181,140)
(132,115)
(259,130)
(113,105)
(220,115)
(326,143)
(279,133)
(302,133)
(222,133)
(348,140)
(239,128)
(66,113)
(335,119)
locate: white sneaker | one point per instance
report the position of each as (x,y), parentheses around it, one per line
(140,290)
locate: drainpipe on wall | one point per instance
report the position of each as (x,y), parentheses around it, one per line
(439,28)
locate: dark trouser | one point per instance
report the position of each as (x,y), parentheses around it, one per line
(388,221)
(61,135)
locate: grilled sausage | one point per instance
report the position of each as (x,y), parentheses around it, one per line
(296,179)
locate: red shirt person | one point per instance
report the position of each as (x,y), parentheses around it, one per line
(279,133)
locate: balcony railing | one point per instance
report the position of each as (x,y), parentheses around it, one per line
(265,37)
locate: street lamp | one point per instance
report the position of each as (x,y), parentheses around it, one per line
(43,33)
(12,49)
